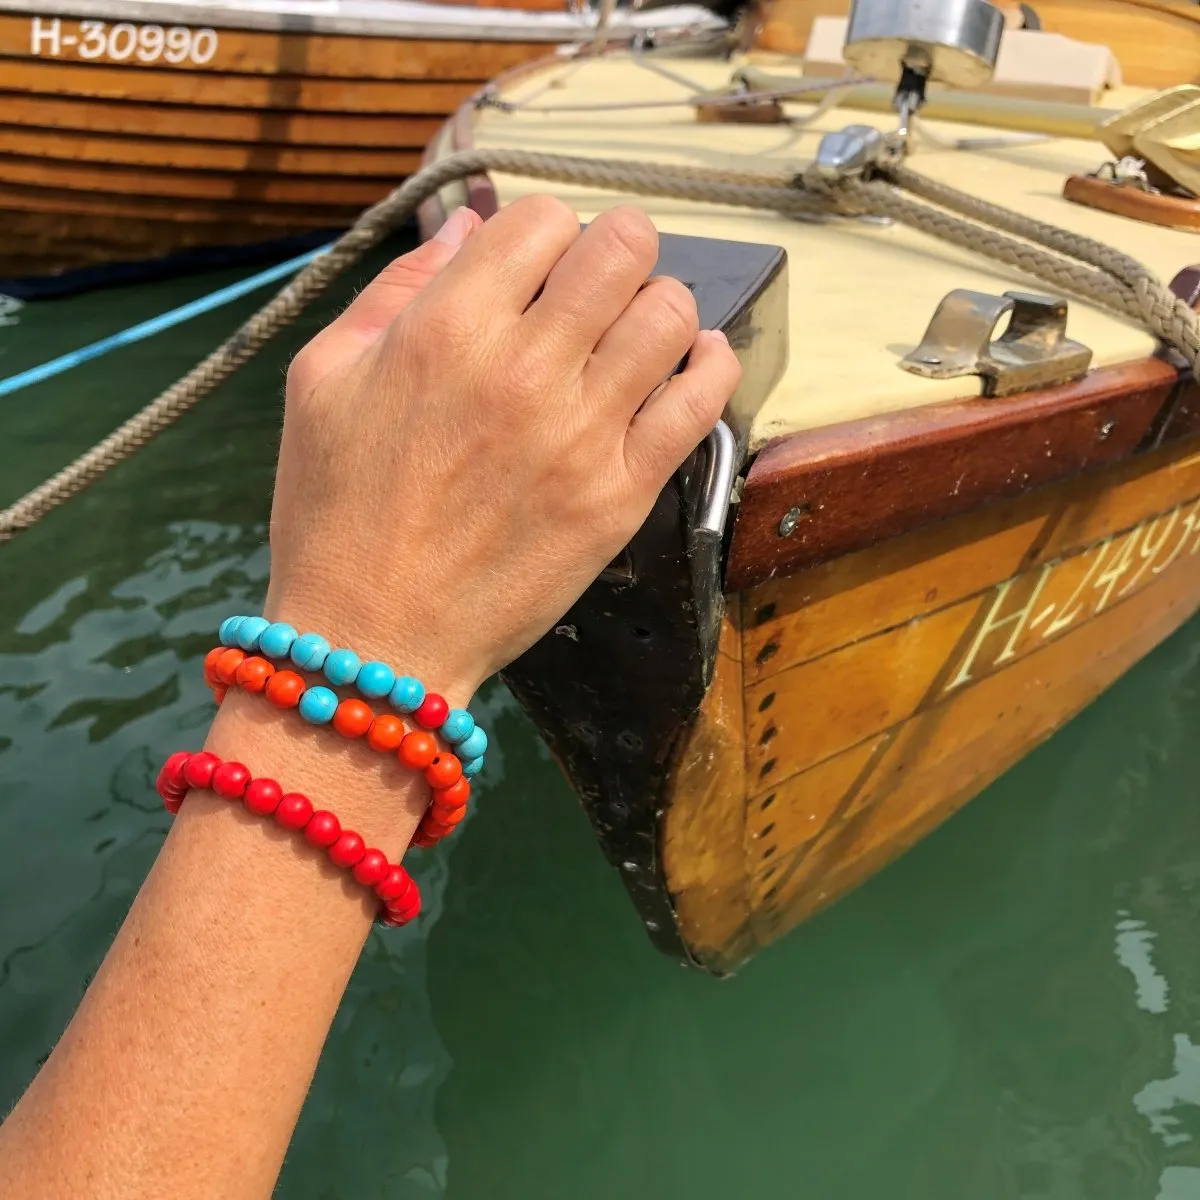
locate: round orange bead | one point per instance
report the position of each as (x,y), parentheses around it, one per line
(219,693)
(386,732)
(285,688)
(210,664)
(254,673)
(458,793)
(448,817)
(418,750)
(443,771)
(352,718)
(227,665)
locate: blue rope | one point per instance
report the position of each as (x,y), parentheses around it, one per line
(136,333)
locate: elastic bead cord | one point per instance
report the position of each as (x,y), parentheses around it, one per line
(392,885)
(374,681)
(415,749)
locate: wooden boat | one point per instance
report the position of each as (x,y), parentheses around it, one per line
(131,130)
(1156,42)
(920,583)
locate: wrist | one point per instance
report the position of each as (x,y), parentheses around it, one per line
(453,671)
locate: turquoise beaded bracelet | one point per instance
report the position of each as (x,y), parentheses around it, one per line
(374,680)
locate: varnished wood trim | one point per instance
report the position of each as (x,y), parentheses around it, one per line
(179,123)
(286,92)
(859,482)
(119,150)
(329,56)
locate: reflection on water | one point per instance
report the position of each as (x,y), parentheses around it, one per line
(1013,1010)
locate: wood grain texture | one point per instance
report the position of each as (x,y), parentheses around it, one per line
(1157,43)
(1179,212)
(860,482)
(903,678)
(708,885)
(287,132)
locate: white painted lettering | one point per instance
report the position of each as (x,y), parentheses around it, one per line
(992,622)
(50,32)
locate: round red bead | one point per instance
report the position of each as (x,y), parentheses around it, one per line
(444,771)
(423,841)
(172,770)
(219,695)
(230,779)
(396,920)
(386,733)
(347,850)
(227,665)
(323,829)
(254,674)
(432,713)
(173,803)
(352,718)
(262,796)
(408,909)
(454,796)
(418,750)
(394,884)
(371,868)
(198,771)
(294,810)
(285,688)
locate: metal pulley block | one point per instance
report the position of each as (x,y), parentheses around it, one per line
(1033,351)
(913,41)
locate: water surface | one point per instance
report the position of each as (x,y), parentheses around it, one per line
(1013,1010)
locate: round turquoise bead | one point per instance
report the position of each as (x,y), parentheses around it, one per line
(407,694)
(249,631)
(317,705)
(309,651)
(276,640)
(341,667)
(227,634)
(472,767)
(473,745)
(375,679)
(457,726)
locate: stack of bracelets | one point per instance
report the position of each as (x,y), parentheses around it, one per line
(244,659)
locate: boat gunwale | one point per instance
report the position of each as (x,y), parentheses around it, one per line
(533,25)
(1153,391)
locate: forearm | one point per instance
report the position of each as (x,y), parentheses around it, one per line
(184,1070)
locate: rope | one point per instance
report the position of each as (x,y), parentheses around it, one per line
(1079,265)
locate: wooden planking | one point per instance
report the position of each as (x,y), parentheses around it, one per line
(873,682)
(71,148)
(813,612)
(289,93)
(271,52)
(935,762)
(166,182)
(348,130)
(709,886)
(862,481)
(1157,45)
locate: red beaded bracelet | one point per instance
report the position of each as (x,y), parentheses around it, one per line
(391,883)
(226,667)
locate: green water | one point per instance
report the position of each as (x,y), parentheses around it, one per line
(1013,1010)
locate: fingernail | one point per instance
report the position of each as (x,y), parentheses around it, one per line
(454,232)
(719,335)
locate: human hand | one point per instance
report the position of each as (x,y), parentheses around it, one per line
(480,432)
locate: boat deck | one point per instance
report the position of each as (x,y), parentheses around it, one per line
(861,294)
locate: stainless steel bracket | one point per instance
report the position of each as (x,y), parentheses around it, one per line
(1033,351)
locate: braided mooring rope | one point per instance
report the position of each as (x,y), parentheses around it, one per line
(1055,256)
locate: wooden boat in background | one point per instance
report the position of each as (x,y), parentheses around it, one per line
(131,130)
(917,584)
(1157,42)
